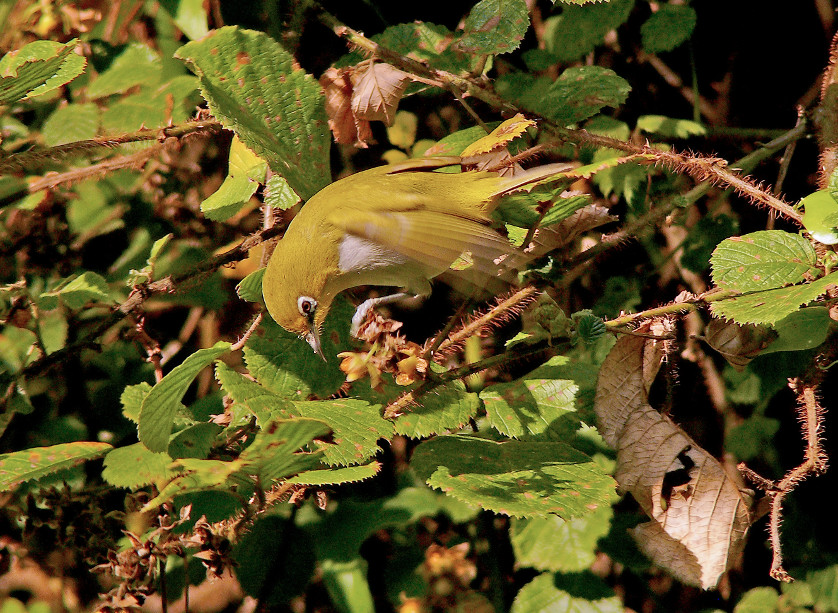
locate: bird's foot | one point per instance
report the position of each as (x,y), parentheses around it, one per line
(363,309)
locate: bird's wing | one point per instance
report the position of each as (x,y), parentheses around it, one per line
(434,240)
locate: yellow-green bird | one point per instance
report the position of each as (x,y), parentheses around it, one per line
(396,225)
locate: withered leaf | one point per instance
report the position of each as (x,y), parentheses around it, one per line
(347,128)
(586,218)
(377,90)
(739,344)
(699,516)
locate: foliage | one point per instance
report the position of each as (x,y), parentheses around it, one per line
(158,426)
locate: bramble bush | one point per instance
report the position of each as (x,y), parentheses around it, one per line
(518,452)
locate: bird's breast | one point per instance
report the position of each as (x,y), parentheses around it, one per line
(365,262)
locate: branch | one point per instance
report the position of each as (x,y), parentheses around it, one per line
(711,170)
(141,293)
(25,162)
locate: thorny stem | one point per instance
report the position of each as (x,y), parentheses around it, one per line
(747,163)
(671,308)
(141,293)
(810,415)
(25,161)
(502,308)
(712,170)
(240,343)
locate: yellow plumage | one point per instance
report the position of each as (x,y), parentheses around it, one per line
(399,224)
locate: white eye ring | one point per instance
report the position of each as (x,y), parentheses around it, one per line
(306,306)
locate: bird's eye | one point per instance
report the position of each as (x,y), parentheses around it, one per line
(306,305)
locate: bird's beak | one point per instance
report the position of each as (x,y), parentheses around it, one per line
(313,339)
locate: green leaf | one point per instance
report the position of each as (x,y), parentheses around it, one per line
(158,409)
(152,107)
(336,476)
(626,179)
(608,126)
(758,600)
(669,127)
(274,561)
(69,123)
(456,143)
(495,26)
(801,330)
(279,195)
(275,452)
(263,403)
(195,476)
(135,466)
(38,68)
(194,441)
(820,216)
(132,399)
(517,478)
(137,64)
(188,15)
(357,427)
(556,544)
(762,260)
(76,292)
(522,209)
(579,30)
(534,402)
(250,288)
(667,28)
(348,585)
(447,408)
(769,307)
(37,462)
(247,170)
(576,593)
(287,366)
(254,88)
(577,94)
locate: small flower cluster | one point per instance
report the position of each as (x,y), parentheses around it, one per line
(390,353)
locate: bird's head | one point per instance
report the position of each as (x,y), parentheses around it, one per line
(293,289)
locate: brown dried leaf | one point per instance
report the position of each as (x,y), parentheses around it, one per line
(699,516)
(586,218)
(377,90)
(739,344)
(347,128)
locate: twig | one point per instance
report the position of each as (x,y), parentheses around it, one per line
(240,343)
(141,293)
(514,302)
(672,308)
(27,160)
(76,175)
(810,415)
(673,80)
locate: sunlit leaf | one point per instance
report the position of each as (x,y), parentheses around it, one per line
(161,403)
(21,466)
(254,87)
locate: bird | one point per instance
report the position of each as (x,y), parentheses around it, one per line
(399,225)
